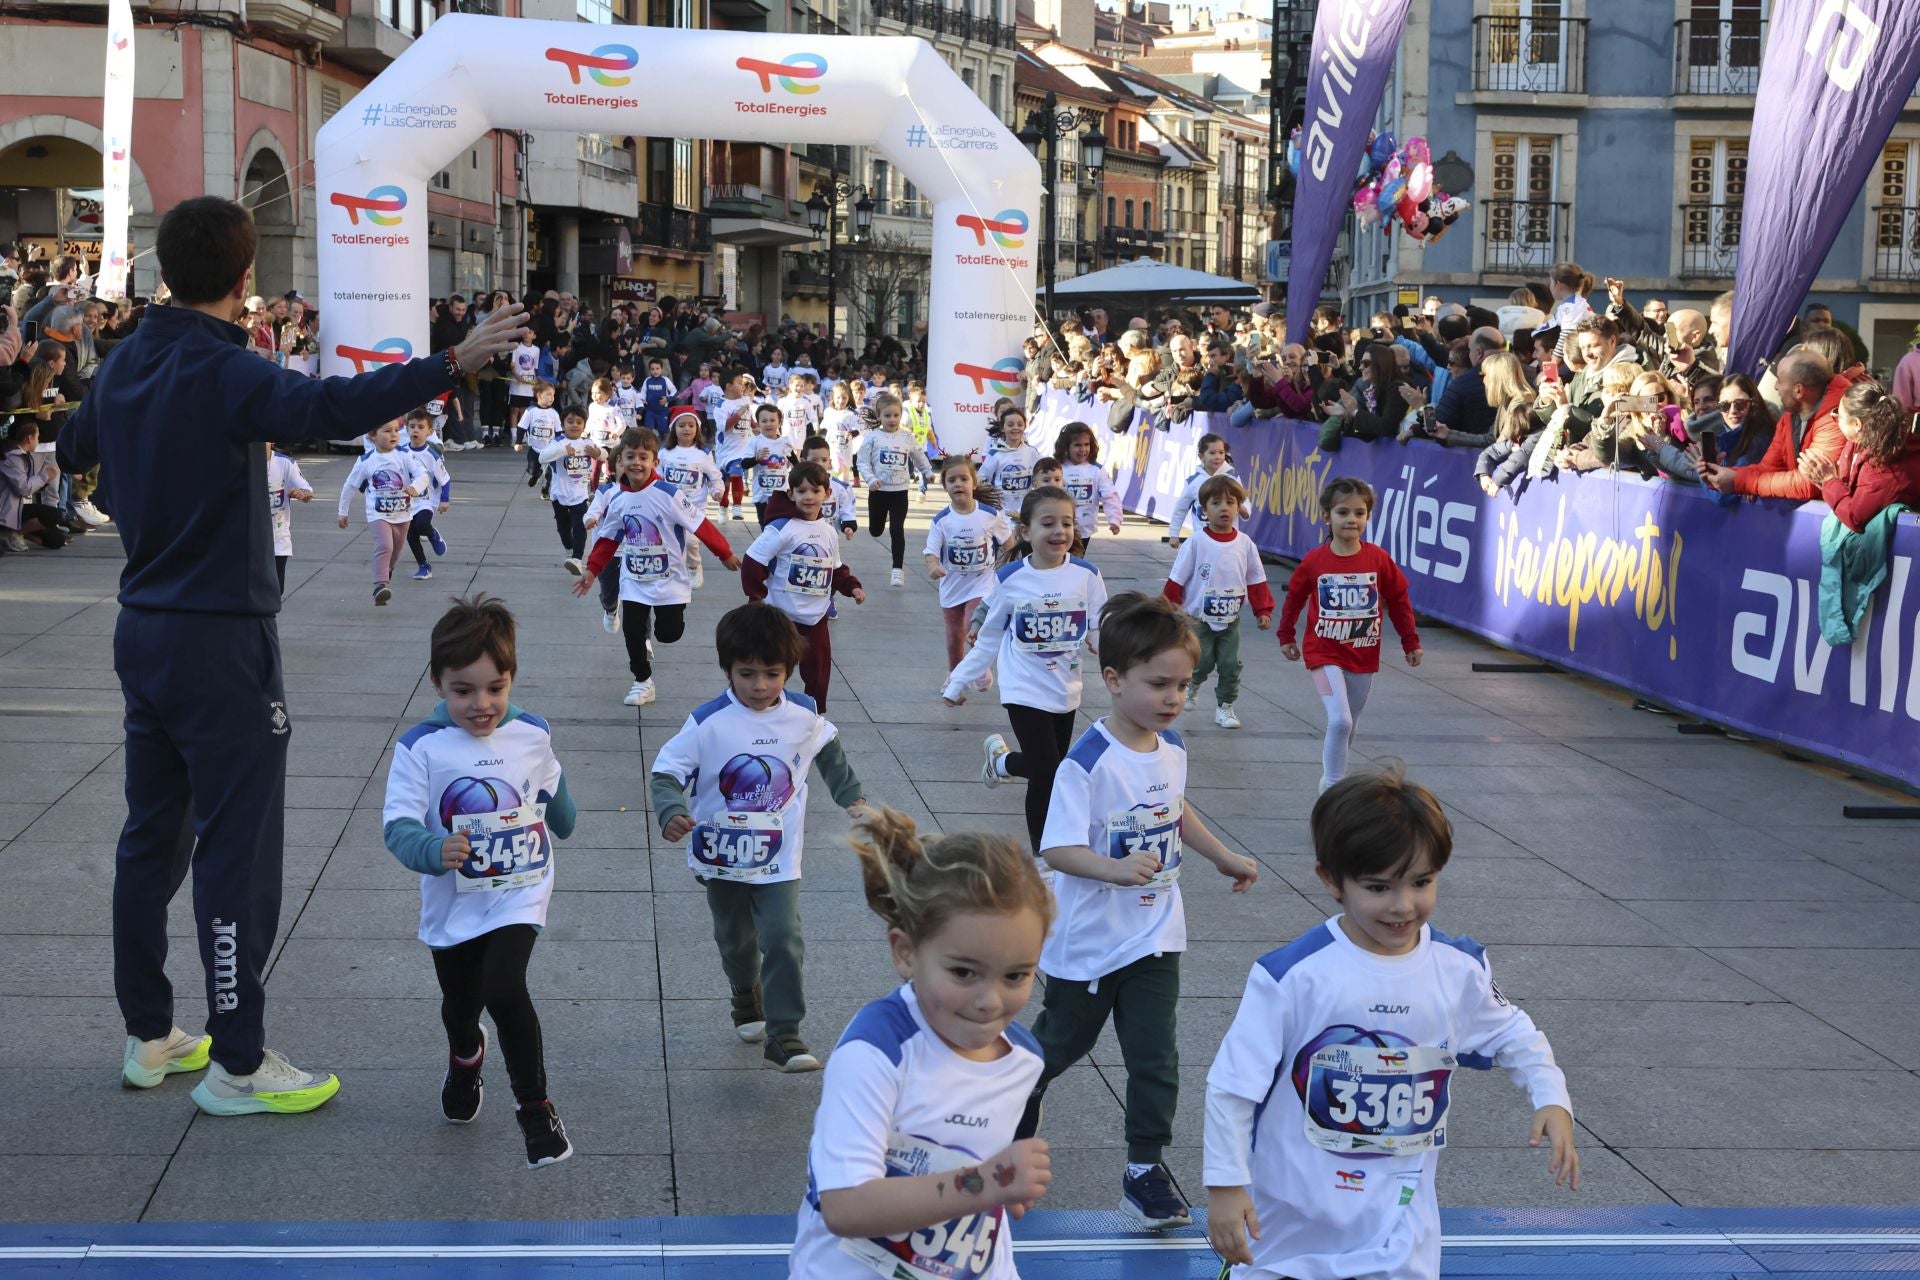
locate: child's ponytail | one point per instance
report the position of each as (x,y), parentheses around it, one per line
(917,886)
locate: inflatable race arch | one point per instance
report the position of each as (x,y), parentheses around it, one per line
(468,74)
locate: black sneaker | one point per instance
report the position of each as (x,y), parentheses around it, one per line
(790,1054)
(1031,1117)
(749,1019)
(546,1136)
(461,1091)
(1152,1200)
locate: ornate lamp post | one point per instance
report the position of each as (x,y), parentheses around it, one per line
(822,216)
(1045,127)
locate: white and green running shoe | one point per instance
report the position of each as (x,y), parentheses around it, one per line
(276,1085)
(148,1062)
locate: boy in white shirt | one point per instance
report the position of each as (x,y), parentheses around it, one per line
(284,484)
(800,407)
(539,427)
(773,456)
(733,441)
(774,376)
(524,365)
(795,566)
(570,463)
(745,756)
(656,394)
(1327,1104)
(1114,837)
(1213,576)
(437,498)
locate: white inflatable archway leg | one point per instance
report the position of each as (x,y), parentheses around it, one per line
(470,73)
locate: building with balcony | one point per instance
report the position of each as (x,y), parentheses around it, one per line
(1599,136)
(1077,204)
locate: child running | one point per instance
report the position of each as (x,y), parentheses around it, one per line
(842,507)
(744,757)
(539,427)
(391,480)
(656,394)
(1010,467)
(284,484)
(437,498)
(570,461)
(1215,459)
(687,464)
(1044,610)
(1343,585)
(1327,1102)
(890,459)
(646,526)
(1213,578)
(475,800)
(914,1168)
(523,364)
(773,456)
(795,565)
(734,442)
(1083,477)
(841,426)
(963,545)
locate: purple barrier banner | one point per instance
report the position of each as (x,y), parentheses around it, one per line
(1707,608)
(1835,77)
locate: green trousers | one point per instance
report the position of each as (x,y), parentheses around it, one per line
(757,928)
(1142,998)
(1218,649)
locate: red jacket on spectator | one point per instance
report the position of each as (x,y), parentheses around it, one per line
(1866,486)
(1281,394)
(1777,475)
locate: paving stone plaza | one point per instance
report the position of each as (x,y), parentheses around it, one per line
(1727,968)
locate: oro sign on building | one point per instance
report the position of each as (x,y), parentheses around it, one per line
(468,74)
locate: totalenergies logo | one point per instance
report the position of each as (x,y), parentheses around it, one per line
(598,64)
(1003,377)
(791,71)
(385,351)
(382,205)
(1008,227)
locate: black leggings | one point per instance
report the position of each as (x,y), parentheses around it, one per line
(669,624)
(571,522)
(884,505)
(1044,738)
(490,972)
(419,527)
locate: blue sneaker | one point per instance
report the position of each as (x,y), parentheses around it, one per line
(833,609)
(439,544)
(1151,1199)
(424,572)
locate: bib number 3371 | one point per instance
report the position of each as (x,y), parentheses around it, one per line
(1391,1100)
(510,849)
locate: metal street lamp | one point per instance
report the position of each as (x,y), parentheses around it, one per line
(1045,127)
(822,207)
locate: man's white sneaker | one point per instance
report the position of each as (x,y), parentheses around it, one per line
(898,579)
(148,1062)
(611,621)
(640,695)
(276,1086)
(996,750)
(1225,718)
(91,514)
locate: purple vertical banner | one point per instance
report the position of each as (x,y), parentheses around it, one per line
(1354,43)
(1833,80)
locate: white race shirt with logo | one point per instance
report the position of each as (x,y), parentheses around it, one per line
(890,459)
(525,362)
(283,477)
(1092,491)
(801,556)
(692,470)
(1338,1073)
(384,479)
(1116,801)
(606,423)
(439,480)
(1039,624)
(446,779)
(650,528)
(842,505)
(1214,577)
(772,459)
(965,546)
(745,774)
(542,427)
(1012,471)
(896,1101)
(734,442)
(572,467)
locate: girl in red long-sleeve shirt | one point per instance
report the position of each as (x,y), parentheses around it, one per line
(1880,464)
(1343,586)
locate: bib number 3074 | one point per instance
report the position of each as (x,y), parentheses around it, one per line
(1392,1100)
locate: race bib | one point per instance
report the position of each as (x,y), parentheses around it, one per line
(1059,627)
(1153,829)
(511,849)
(1222,606)
(686,479)
(809,575)
(738,846)
(1013,481)
(578,464)
(958,1249)
(891,464)
(644,564)
(1081,491)
(276,500)
(387,504)
(769,478)
(539,436)
(969,556)
(1363,1098)
(1349,595)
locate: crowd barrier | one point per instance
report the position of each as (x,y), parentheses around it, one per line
(1698,604)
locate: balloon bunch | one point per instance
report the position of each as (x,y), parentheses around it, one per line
(1397,185)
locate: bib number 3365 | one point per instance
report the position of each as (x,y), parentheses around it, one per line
(1390,1100)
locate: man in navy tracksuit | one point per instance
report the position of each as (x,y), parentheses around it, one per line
(176,421)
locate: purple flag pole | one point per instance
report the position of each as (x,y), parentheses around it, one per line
(1835,75)
(1354,42)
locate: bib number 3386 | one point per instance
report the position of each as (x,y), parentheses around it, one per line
(1392,1100)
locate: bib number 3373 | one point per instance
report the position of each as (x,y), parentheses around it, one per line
(1392,1100)
(959,1249)
(510,849)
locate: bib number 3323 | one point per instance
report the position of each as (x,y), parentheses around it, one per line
(1390,1100)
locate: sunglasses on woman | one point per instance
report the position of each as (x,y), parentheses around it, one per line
(1738,405)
